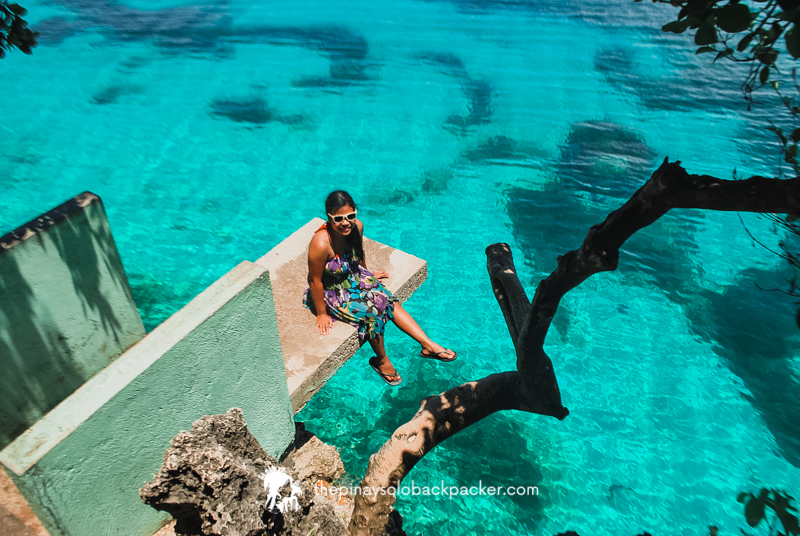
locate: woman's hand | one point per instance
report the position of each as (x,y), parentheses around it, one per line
(324,324)
(381,275)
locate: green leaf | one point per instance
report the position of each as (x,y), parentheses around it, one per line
(793,42)
(764,75)
(745,42)
(754,509)
(742,496)
(706,35)
(774,85)
(796,135)
(697,6)
(734,18)
(788,5)
(18,10)
(724,54)
(703,50)
(766,55)
(779,133)
(791,156)
(676,26)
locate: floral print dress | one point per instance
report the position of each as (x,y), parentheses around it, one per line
(355,296)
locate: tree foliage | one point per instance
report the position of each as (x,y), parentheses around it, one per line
(760,33)
(745,32)
(14,32)
(763,35)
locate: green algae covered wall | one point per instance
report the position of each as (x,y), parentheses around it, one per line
(66,310)
(81,466)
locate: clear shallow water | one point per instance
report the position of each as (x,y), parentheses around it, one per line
(212,132)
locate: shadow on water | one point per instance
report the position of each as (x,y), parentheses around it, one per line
(755,332)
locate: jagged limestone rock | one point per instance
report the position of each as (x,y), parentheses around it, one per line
(212,482)
(312,459)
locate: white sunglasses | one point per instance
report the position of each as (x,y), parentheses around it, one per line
(340,219)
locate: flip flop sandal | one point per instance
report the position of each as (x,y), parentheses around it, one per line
(385,377)
(440,356)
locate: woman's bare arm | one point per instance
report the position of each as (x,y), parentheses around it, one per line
(317,258)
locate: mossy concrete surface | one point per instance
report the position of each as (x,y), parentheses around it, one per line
(81,467)
(311,359)
(66,310)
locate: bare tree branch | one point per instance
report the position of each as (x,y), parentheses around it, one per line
(507,288)
(533,387)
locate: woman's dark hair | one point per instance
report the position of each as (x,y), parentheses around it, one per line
(335,201)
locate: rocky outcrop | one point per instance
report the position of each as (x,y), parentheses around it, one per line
(213,482)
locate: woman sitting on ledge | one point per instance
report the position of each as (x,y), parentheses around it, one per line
(342,288)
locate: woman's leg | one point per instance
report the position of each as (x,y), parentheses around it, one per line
(381,361)
(407,323)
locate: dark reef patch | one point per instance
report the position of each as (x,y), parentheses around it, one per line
(505,151)
(686,91)
(479,105)
(54,30)
(448,63)
(430,182)
(112,93)
(347,51)
(485,7)
(209,30)
(478,93)
(604,159)
(254,111)
(600,166)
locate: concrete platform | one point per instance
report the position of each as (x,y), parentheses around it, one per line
(310,358)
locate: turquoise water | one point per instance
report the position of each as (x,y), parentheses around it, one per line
(213,131)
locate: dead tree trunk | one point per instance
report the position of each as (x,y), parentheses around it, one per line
(532,387)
